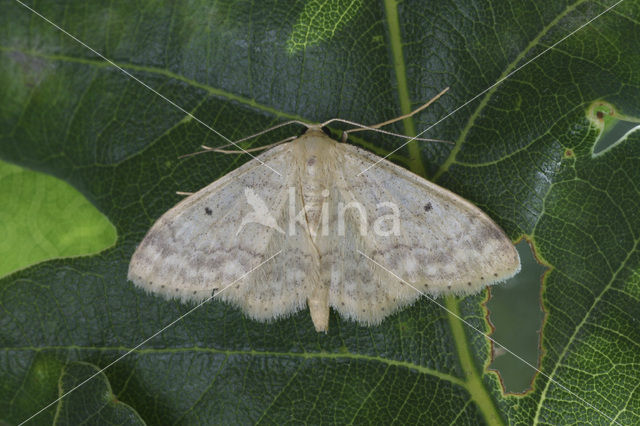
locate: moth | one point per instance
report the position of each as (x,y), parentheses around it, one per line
(339,227)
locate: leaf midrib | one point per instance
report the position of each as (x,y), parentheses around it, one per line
(163,72)
(472,377)
(304,355)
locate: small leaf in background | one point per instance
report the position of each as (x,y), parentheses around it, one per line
(44,218)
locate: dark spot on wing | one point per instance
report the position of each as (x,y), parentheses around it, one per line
(208,211)
(427,207)
(311,161)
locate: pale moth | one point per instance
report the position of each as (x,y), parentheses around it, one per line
(337,232)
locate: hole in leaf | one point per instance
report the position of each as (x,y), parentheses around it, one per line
(516,315)
(613,126)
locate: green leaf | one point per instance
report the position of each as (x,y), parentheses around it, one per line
(523,152)
(44,218)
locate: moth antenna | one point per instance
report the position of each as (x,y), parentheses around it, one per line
(186,194)
(376,127)
(222,150)
(411,114)
(345,134)
(237,151)
(277,126)
(192,154)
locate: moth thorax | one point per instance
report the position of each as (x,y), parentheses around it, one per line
(313,154)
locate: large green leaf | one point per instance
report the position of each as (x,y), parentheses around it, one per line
(523,152)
